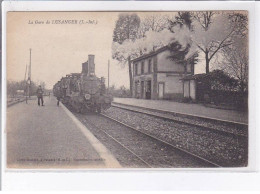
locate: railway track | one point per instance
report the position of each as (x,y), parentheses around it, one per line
(225,149)
(164,142)
(240,130)
(152,151)
(206,157)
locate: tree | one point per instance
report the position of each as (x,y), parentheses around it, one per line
(126,29)
(219,80)
(153,40)
(149,36)
(181,19)
(43,85)
(13,86)
(183,50)
(154,22)
(235,62)
(213,31)
(183,56)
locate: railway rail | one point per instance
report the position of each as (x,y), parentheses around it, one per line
(240,130)
(225,149)
(146,164)
(151,150)
(116,135)
(213,164)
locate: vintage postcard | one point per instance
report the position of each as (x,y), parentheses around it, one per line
(127,90)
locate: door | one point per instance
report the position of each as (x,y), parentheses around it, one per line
(148,89)
(161,90)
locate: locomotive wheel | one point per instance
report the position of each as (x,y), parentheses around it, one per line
(83,109)
(74,106)
(78,107)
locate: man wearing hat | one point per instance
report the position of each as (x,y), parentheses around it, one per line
(40,95)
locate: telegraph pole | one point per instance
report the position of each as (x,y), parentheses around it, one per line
(108,76)
(25,81)
(29,76)
(25,73)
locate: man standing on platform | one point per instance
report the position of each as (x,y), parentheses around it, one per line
(58,95)
(40,95)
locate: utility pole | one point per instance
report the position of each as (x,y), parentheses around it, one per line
(25,73)
(108,76)
(25,81)
(29,76)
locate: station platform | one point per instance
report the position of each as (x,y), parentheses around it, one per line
(51,137)
(185,108)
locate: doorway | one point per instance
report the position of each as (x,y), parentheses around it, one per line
(148,89)
(142,89)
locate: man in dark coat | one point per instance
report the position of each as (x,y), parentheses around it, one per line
(58,95)
(40,95)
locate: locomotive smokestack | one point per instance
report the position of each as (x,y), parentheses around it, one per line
(85,68)
(91,65)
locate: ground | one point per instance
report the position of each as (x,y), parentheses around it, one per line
(48,137)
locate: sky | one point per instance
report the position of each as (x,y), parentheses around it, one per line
(60,49)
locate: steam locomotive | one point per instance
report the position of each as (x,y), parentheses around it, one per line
(83,92)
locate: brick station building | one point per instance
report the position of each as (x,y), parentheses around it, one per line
(155,76)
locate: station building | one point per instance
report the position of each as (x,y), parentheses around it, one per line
(155,76)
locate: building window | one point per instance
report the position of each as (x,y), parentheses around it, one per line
(136,68)
(142,68)
(150,66)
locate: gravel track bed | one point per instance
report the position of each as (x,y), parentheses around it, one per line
(224,150)
(226,127)
(124,157)
(154,152)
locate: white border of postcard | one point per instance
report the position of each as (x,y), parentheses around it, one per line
(164,179)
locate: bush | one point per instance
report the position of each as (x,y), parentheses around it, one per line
(177,97)
(186,99)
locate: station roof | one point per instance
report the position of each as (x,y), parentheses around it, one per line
(151,54)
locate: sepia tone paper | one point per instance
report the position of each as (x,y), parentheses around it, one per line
(161,48)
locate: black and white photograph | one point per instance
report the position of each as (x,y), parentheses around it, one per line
(127,90)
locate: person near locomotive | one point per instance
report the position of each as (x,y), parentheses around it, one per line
(40,95)
(58,95)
